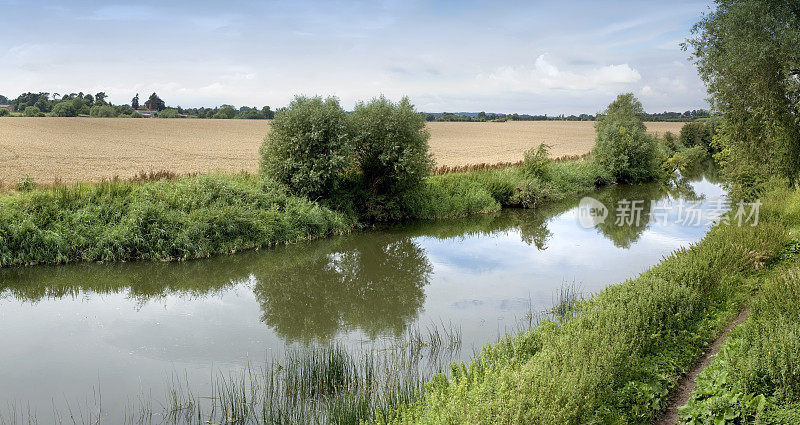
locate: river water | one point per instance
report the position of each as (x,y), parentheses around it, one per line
(109,335)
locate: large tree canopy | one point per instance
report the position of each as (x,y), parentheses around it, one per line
(748,54)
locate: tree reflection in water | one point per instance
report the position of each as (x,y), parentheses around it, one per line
(372,281)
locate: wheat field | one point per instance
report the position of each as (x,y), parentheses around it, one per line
(92,149)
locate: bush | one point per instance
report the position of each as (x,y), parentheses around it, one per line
(623,145)
(4,112)
(103,111)
(64,109)
(537,163)
(688,159)
(308,146)
(696,134)
(32,111)
(169,113)
(390,145)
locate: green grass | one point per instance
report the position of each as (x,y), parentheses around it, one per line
(194,217)
(480,191)
(625,349)
(756,376)
(181,219)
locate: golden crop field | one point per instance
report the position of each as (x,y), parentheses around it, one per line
(92,149)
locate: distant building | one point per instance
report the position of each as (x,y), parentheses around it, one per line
(147,113)
(10,108)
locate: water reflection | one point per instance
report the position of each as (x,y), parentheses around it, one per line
(373,282)
(126,326)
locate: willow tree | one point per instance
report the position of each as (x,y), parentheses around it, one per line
(748,54)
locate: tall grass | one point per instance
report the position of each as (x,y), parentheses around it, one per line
(756,376)
(618,358)
(488,189)
(172,219)
(318,384)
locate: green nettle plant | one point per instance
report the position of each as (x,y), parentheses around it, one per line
(391,150)
(623,145)
(308,147)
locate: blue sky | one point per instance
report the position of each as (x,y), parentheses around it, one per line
(528,57)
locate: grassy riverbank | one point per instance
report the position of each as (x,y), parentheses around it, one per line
(756,376)
(185,218)
(615,357)
(198,216)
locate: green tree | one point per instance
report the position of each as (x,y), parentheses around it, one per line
(169,113)
(135,102)
(225,112)
(308,146)
(155,103)
(623,145)
(4,112)
(103,111)
(748,54)
(64,109)
(3,100)
(32,111)
(391,148)
(100,98)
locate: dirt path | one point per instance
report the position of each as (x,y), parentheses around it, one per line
(684,389)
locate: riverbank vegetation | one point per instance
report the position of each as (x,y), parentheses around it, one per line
(617,355)
(323,172)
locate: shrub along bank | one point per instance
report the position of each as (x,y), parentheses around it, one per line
(615,357)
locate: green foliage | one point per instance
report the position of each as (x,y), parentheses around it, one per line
(32,111)
(537,163)
(618,357)
(625,110)
(756,376)
(698,133)
(671,143)
(623,145)
(64,109)
(187,218)
(748,54)
(103,111)
(4,112)
(155,103)
(225,112)
(169,113)
(26,184)
(390,145)
(688,159)
(449,195)
(308,146)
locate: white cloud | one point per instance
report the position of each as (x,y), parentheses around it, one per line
(544,75)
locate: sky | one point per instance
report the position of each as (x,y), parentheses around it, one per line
(535,57)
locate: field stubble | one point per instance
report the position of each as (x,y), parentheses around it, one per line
(91,149)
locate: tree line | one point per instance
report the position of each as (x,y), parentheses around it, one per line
(41,104)
(493,117)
